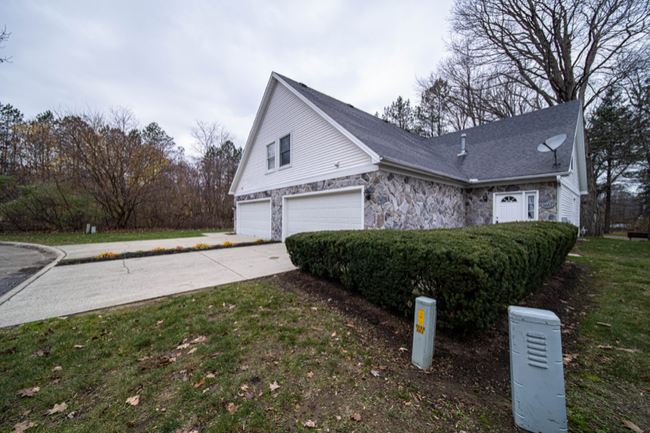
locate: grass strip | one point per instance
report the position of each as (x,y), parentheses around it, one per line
(53,239)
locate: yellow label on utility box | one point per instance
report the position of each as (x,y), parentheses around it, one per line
(420,317)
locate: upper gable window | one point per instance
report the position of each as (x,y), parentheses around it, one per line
(270,157)
(285,151)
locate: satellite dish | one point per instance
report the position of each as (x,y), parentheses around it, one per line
(551,145)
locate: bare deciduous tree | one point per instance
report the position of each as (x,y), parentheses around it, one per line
(561,49)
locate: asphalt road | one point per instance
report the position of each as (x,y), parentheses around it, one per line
(18,263)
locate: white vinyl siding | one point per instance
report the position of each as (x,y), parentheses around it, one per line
(312,212)
(254,218)
(572,179)
(569,207)
(316,146)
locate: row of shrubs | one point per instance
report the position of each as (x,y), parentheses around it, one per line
(473,273)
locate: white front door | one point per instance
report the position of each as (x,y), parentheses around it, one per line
(254,218)
(509,208)
(314,212)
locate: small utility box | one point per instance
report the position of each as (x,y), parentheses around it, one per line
(536,370)
(424,332)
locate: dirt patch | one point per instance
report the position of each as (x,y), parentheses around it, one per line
(470,370)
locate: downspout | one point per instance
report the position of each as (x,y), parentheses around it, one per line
(559,197)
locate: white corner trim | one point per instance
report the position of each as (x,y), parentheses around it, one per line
(568,186)
(237,203)
(372,154)
(359,188)
(359,169)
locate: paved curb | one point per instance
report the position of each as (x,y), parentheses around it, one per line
(59,256)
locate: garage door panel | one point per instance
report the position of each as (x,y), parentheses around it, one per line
(332,211)
(254,219)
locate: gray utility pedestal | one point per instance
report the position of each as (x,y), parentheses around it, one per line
(424,332)
(536,370)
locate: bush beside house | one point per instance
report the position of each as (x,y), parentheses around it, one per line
(473,273)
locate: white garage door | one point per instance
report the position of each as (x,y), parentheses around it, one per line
(323,211)
(254,218)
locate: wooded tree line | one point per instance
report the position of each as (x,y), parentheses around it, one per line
(508,57)
(61,172)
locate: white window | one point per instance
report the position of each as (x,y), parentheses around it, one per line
(285,151)
(270,157)
(531,208)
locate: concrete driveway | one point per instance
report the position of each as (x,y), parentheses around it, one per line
(67,290)
(91,250)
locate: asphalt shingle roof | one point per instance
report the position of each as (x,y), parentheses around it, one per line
(502,149)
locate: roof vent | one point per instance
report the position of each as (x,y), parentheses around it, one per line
(350,105)
(463,152)
(303,85)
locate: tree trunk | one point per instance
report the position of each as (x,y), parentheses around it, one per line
(608,202)
(590,210)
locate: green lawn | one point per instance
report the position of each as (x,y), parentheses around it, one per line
(213,360)
(612,385)
(80,238)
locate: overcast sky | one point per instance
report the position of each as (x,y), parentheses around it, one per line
(176,62)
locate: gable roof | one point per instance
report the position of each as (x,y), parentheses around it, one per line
(500,150)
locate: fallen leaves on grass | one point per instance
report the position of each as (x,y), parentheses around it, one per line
(623,349)
(43,352)
(183,346)
(604,324)
(28,392)
(334,334)
(78,346)
(191,351)
(244,367)
(57,409)
(356,417)
(57,368)
(309,423)
(274,386)
(248,396)
(199,339)
(210,389)
(133,401)
(374,373)
(22,426)
(310,374)
(159,322)
(568,358)
(635,428)
(232,408)
(199,383)
(403,349)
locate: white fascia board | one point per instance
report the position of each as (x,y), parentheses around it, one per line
(371,153)
(360,169)
(251,136)
(539,177)
(580,150)
(413,170)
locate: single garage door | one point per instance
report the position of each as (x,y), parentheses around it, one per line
(323,211)
(254,218)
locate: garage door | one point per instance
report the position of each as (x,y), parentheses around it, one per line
(323,211)
(254,218)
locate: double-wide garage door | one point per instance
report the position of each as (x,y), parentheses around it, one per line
(336,210)
(318,212)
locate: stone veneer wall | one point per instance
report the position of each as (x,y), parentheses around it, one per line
(479,201)
(395,201)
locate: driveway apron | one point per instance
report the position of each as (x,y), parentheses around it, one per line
(72,289)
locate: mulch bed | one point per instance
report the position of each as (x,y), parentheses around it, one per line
(156,253)
(472,367)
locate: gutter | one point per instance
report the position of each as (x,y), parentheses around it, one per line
(418,169)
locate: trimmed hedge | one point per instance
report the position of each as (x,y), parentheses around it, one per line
(473,273)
